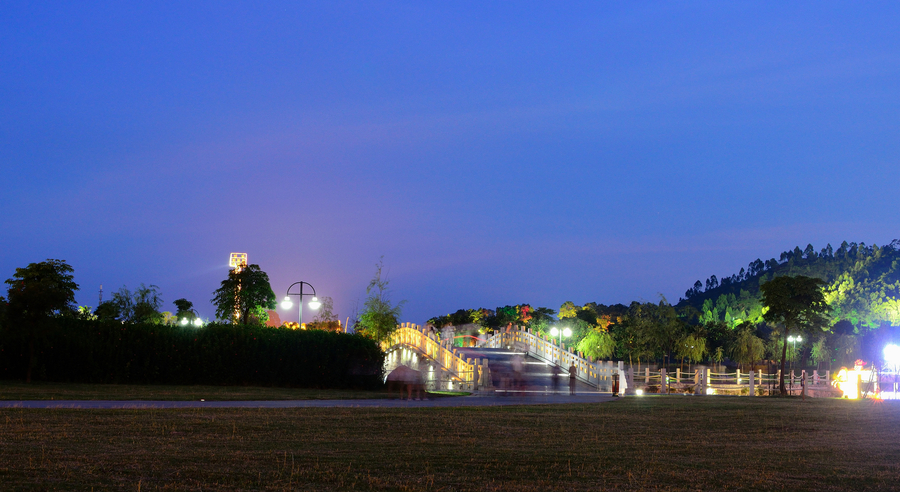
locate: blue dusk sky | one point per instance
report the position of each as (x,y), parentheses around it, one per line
(493,152)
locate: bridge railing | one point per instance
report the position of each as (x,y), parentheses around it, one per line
(595,373)
(462,373)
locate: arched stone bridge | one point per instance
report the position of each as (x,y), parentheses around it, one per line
(511,360)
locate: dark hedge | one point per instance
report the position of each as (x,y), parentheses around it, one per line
(73,350)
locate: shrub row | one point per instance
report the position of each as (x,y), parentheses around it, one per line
(72,350)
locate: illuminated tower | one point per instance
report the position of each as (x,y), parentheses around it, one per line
(237,262)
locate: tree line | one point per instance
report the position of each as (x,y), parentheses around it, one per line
(728,320)
(44,334)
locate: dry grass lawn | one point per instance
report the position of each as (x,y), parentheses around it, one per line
(17,390)
(651,443)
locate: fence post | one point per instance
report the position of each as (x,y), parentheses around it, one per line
(647,375)
(663,386)
(704,380)
(752,377)
(803,384)
(678,375)
(738,374)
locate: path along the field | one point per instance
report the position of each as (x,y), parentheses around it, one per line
(459,401)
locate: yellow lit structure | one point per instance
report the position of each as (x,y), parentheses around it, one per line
(851,381)
(237,261)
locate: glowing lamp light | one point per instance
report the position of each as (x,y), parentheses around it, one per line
(892,355)
(639,392)
(567,332)
(554,332)
(184,321)
(847,380)
(314,303)
(198,322)
(286,303)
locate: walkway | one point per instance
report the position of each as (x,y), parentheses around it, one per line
(442,402)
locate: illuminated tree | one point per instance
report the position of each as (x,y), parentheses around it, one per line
(598,344)
(797,303)
(568,310)
(244,296)
(37,293)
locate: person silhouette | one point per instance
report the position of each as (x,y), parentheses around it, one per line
(573,371)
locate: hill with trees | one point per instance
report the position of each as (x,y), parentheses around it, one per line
(724,320)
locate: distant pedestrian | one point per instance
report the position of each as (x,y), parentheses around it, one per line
(518,364)
(573,371)
(554,377)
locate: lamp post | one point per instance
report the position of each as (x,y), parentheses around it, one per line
(794,340)
(559,334)
(196,321)
(313,303)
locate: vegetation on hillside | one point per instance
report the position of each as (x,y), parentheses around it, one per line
(725,320)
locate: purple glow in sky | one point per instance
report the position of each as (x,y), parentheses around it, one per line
(494,153)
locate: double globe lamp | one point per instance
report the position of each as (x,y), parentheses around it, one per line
(313,304)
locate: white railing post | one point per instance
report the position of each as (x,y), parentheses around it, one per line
(663,383)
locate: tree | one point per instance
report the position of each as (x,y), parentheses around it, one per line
(326,311)
(244,296)
(107,311)
(185,311)
(819,352)
(745,347)
(797,303)
(598,344)
(692,347)
(140,306)
(185,308)
(326,319)
(379,317)
(37,293)
(568,310)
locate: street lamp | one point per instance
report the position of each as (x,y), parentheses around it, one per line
(313,303)
(794,340)
(196,319)
(565,332)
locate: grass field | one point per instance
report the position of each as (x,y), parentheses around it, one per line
(17,390)
(652,443)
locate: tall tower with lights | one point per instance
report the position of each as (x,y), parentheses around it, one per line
(237,262)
